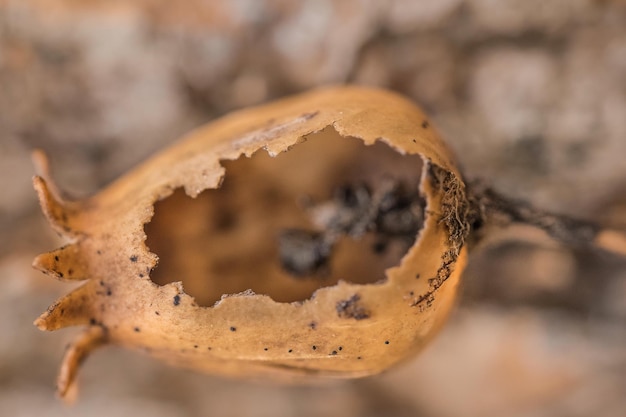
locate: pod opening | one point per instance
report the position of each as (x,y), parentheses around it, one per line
(330,208)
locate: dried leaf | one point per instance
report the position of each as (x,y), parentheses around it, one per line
(351,327)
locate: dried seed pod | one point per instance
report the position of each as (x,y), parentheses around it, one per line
(392,255)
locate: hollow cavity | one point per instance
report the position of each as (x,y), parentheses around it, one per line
(329,209)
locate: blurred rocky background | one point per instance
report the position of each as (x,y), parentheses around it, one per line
(531,94)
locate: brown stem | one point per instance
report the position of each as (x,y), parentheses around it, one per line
(491,206)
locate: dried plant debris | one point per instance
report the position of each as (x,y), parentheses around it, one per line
(351,308)
(303,252)
(350,186)
(391,212)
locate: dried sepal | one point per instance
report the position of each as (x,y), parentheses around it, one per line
(344,330)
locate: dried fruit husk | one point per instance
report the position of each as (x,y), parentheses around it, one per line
(352,328)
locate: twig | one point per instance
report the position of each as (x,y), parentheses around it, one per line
(491,207)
